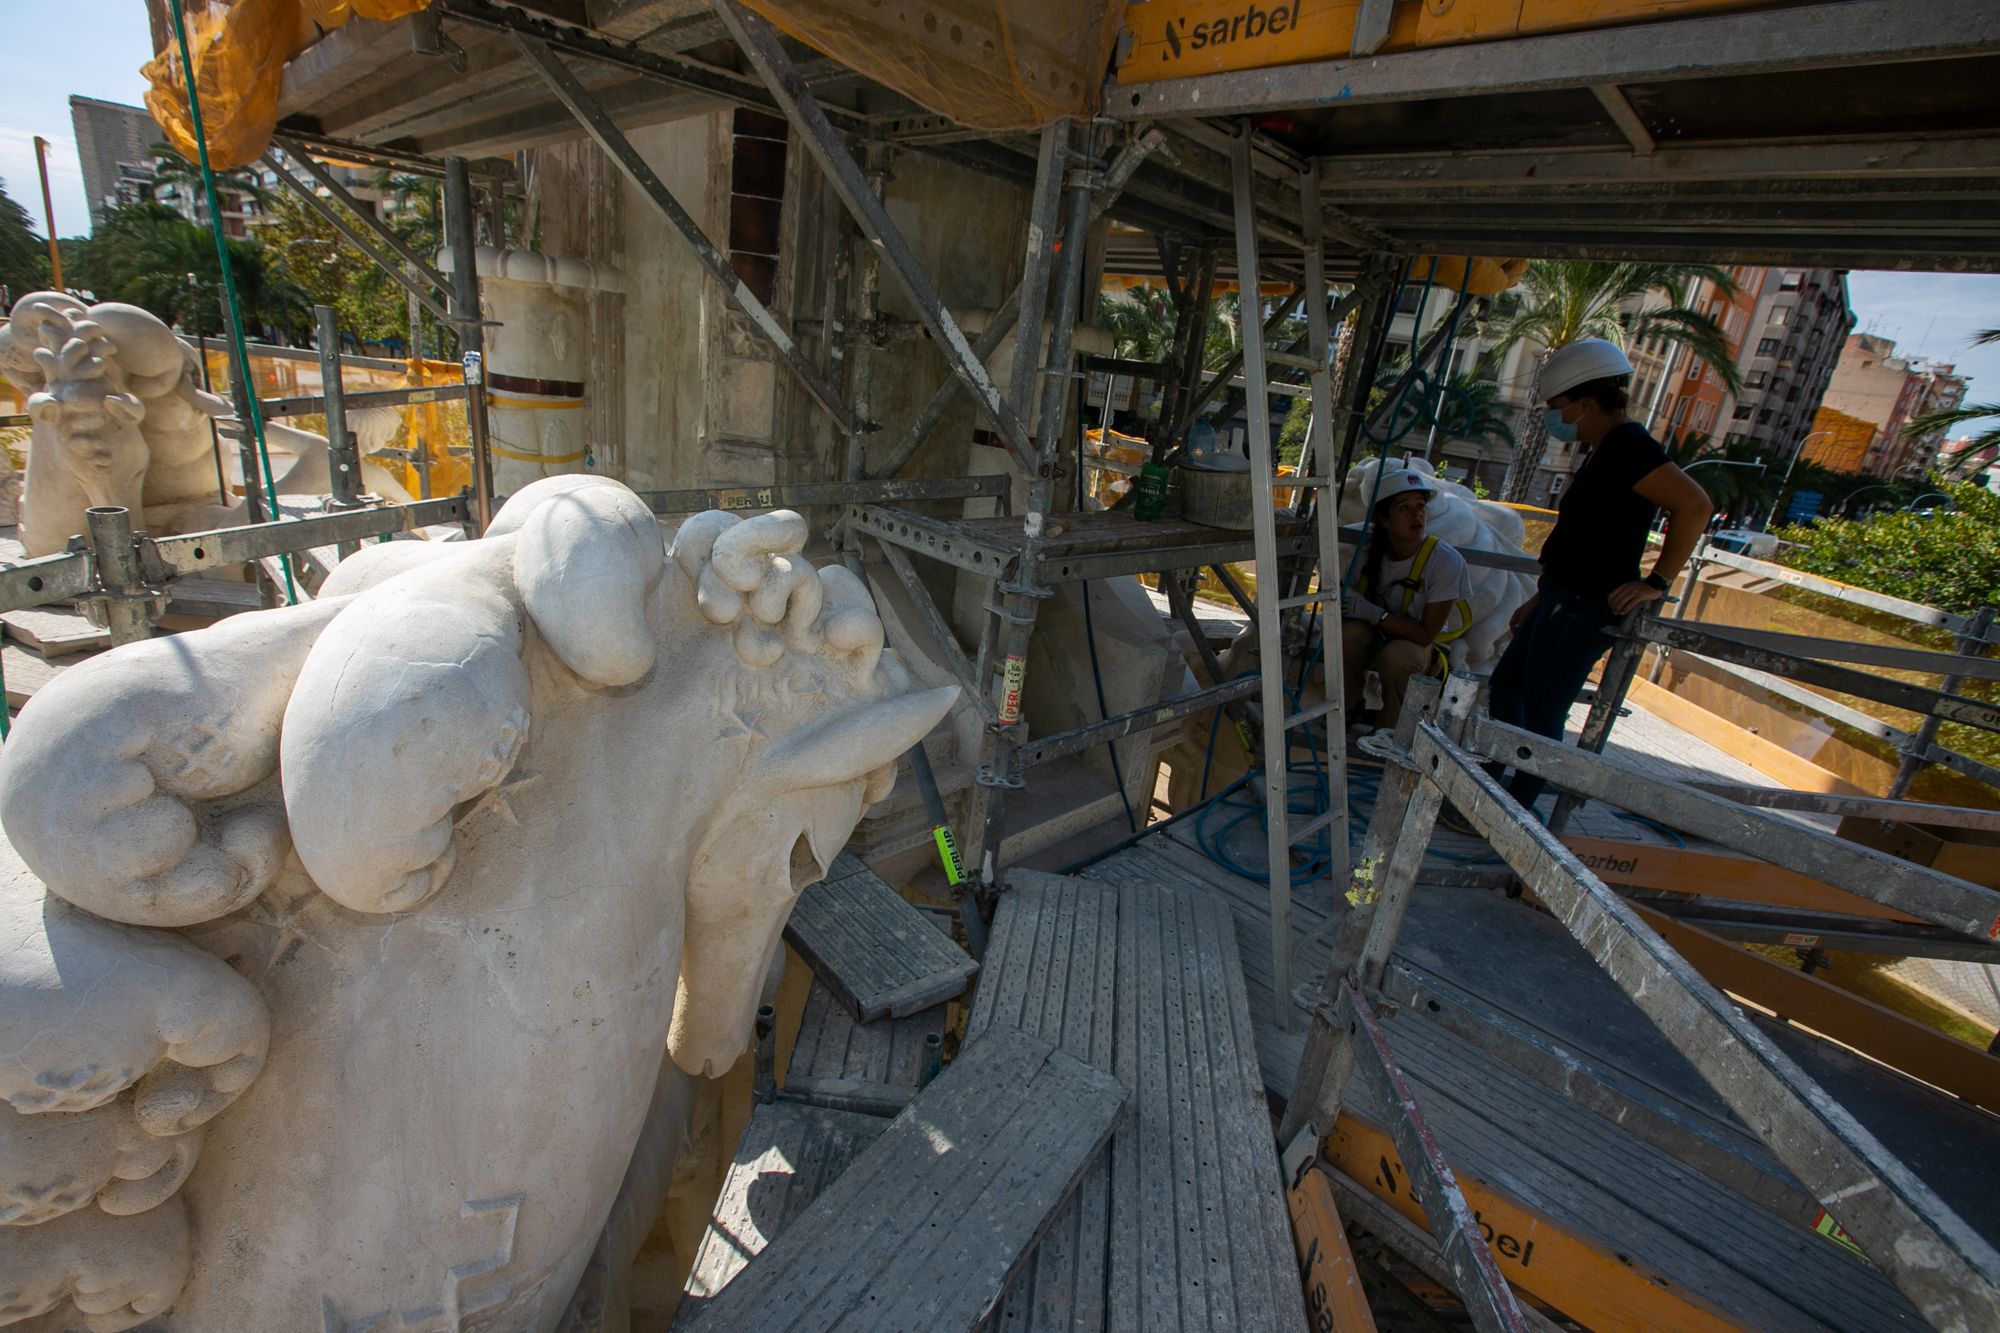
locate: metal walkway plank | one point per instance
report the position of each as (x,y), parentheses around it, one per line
(879,955)
(788,1155)
(933,1219)
(874,1068)
(1182,1224)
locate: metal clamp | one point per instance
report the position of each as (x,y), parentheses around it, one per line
(986,777)
(1013,589)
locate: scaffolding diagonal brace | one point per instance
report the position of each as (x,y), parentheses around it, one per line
(572,94)
(387,262)
(297,153)
(788,86)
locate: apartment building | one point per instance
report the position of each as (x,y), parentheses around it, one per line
(114,148)
(1873,384)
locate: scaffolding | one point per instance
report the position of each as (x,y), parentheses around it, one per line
(1304,175)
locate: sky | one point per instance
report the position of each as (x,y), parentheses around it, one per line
(92,47)
(95,47)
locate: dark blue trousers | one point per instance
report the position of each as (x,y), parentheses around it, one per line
(1545,667)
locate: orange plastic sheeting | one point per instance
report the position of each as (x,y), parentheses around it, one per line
(986,64)
(239,51)
(1489,277)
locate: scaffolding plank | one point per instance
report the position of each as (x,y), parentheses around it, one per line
(54,631)
(788,1155)
(1182,1224)
(934,1217)
(879,955)
(875,1068)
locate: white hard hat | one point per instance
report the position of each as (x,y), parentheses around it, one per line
(1580,362)
(1401,482)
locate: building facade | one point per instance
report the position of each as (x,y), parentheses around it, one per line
(1875,385)
(114,147)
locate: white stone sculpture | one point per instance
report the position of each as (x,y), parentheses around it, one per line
(341,941)
(1459,517)
(537,358)
(120,419)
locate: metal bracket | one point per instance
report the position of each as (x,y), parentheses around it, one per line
(96,606)
(986,777)
(1013,589)
(1299,1154)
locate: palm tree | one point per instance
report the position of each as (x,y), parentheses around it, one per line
(1931,423)
(24,259)
(154,258)
(170,168)
(1567,299)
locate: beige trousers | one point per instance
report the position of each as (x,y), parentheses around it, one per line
(1364,649)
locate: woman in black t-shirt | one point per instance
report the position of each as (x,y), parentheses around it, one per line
(1590,562)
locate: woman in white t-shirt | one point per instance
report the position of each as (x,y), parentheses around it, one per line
(1408,601)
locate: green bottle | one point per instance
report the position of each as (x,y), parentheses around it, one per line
(1152,492)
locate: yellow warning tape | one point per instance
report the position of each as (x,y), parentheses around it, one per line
(534,404)
(519,457)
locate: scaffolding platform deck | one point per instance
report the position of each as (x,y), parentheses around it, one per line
(1076,546)
(875,1068)
(1557,1097)
(933,1218)
(1182,1223)
(879,955)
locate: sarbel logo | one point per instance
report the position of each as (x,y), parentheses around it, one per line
(1255,21)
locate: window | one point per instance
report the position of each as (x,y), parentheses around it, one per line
(1755,379)
(1781,314)
(1764,417)
(1743,413)
(1412,297)
(756,200)
(1767,347)
(1792,281)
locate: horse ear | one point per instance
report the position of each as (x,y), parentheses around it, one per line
(855,742)
(586,561)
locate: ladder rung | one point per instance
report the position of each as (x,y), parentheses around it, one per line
(1301,483)
(1313,714)
(1319,823)
(1287,359)
(1306,599)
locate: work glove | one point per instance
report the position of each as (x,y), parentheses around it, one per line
(1353,606)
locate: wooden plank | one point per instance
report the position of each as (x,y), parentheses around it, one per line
(1713,873)
(212,599)
(879,955)
(1916,1049)
(1947,1270)
(788,1155)
(934,1217)
(1567,1181)
(1334,1298)
(1917,890)
(54,631)
(1767,757)
(27,672)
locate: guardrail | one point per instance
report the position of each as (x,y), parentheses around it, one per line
(1441,752)
(1788,665)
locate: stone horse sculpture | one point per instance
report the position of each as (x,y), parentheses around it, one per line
(339,942)
(120,419)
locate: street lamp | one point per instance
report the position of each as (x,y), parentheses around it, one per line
(1849,502)
(1927,495)
(1777,506)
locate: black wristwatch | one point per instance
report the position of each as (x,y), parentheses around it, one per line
(1655,580)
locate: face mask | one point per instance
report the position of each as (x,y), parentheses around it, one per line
(1558,429)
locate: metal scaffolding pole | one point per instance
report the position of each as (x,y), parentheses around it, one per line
(760,43)
(1017,602)
(598,124)
(461,236)
(343,458)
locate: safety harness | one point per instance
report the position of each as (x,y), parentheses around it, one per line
(1412,584)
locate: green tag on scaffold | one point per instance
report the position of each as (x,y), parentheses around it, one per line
(947,846)
(1243,734)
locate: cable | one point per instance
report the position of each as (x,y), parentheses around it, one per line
(237,343)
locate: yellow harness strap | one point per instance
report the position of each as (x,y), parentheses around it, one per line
(1411,584)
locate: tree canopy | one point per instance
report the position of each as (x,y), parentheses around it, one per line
(1562,300)
(1947,557)
(24,256)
